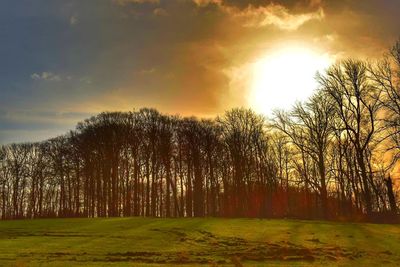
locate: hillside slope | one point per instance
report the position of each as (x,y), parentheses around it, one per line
(211,241)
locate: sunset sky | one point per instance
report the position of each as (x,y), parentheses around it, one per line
(63,61)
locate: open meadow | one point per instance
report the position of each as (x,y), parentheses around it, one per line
(209,242)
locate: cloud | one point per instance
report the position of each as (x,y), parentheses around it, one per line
(276,15)
(160,12)
(146,71)
(315,2)
(86,80)
(73,20)
(293,5)
(46,76)
(262,15)
(32,125)
(29,135)
(203,3)
(191,62)
(50,76)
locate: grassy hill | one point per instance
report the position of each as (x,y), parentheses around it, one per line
(211,241)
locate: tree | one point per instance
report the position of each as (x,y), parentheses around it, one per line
(357,105)
(386,77)
(309,126)
(242,134)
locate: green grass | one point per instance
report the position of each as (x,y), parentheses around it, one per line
(210,242)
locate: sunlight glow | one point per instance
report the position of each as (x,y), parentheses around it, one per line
(284,77)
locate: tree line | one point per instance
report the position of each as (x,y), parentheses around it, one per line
(330,157)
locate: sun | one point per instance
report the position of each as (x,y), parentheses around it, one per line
(284,77)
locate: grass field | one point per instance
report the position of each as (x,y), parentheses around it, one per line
(210,242)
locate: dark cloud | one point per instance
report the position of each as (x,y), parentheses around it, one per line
(291,4)
(295,6)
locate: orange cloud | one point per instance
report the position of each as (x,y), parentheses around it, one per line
(269,14)
(273,14)
(203,3)
(160,12)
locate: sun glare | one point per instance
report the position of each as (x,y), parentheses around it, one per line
(287,76)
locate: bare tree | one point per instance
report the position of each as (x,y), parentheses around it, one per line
(356,104)
(386,76)
(309,127)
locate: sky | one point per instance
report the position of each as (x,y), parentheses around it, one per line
(62,61)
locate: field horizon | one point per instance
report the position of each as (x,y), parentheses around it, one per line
(137,241)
